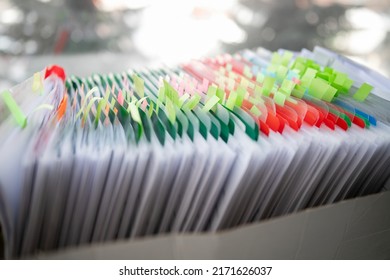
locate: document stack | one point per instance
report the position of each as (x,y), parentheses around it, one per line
(207,145)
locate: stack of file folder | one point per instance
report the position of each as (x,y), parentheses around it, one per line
(208,145)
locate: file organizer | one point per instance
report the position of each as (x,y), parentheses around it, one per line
(205,146)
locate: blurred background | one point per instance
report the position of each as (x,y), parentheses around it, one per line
(90,36)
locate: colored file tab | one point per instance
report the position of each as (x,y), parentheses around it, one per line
(279,98)
(13,107)
(37,85)
(55,70)
(139,85)
(329,94)
(268,84)
(62,107)
(317,88)
(192,102)
(287,87)
(362,93)
(211,103)
(231,101)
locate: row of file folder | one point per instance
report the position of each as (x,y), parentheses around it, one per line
(208,145)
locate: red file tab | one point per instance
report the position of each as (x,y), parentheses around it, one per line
(57,70)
